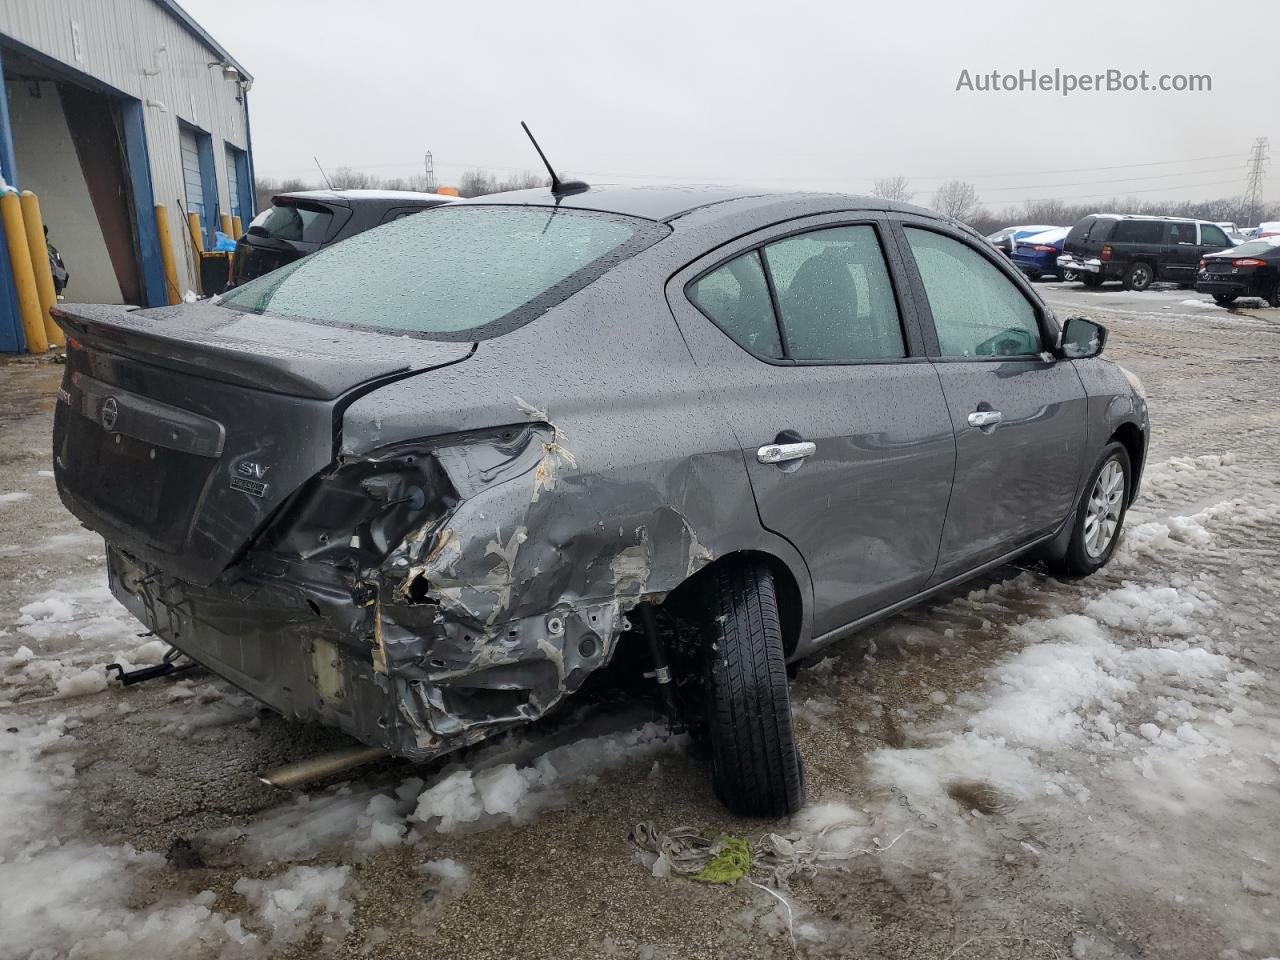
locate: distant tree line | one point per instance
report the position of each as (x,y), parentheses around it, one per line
(960,199)
(473,183)
(955,198)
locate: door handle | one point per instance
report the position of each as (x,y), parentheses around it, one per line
(782,452)
(985,418)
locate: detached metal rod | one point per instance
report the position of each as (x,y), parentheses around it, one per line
(325,765)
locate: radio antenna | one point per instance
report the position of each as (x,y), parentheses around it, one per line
(322,173)
(559,188)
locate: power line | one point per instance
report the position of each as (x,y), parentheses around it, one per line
(1104,196)
(812,179)
(1085,183)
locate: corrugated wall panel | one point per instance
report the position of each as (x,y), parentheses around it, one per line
(120,44)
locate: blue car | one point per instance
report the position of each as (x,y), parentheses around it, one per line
(1036,254)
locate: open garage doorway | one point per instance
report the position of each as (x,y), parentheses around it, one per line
(71,148)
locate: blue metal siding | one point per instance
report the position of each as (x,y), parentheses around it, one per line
(12,339)
(135,146)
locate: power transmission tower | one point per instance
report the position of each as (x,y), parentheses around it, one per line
(431,173)
(1253,180)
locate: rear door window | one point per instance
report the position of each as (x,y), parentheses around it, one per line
(1138,231)
(835,296)
(736,297)
(306,223)
(1212,235)
(1180,233)
(978,312)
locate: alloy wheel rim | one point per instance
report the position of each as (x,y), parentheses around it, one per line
(1140,277)
(1102,513)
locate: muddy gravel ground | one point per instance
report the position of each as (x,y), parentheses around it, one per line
(1026,768)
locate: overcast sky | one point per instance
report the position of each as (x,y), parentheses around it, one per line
(793,95)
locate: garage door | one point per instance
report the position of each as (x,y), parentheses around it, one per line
(191,174)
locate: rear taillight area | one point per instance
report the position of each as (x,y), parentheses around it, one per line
(1044,248)
(1248,262)
(1106,253)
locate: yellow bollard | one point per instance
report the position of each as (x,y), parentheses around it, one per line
(197,232)
(237,227)
(166,255)
(39,249)
(226,225)
(24,278)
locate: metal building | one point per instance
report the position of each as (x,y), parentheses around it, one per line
(111,108)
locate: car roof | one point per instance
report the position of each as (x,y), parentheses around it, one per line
(1150,216)
(669,202)
(347,197)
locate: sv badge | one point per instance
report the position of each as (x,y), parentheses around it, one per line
(248,477)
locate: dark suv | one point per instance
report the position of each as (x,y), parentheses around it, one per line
(1139,250)
(302,222)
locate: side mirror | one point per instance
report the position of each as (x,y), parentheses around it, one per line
(1081,339)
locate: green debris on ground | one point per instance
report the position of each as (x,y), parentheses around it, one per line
(729,863)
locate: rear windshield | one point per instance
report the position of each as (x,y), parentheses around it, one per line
(1091,228)
(288,221)
(456,272)
(1253,248)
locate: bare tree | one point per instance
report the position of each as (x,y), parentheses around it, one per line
(893,188)
(957,199)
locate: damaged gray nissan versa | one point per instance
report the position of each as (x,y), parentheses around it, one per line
(420,485)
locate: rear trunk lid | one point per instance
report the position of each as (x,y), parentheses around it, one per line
(179,431)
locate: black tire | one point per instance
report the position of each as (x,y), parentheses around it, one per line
(1079,560)
(1091,279)
(1225,299)
(1139,276)
(1069,276)
(756,769)
(1273,298)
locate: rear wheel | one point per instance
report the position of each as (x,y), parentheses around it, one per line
(1091,279)
(1069,276)
(1138,276)
(1100,514)
(1273,298)
(1225,299)
(756,770)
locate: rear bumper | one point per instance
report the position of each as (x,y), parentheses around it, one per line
(1081,264)
(1035,266)
(1227,286)
(402,677)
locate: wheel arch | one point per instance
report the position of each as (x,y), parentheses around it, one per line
(1130,436)
(792,608)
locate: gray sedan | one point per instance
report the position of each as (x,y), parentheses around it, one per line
(422,484)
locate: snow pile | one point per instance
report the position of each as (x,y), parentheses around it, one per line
(300,900)
(60,896)
(1078,693)
(14,497)
(71,634)
(367,819)
(508,793)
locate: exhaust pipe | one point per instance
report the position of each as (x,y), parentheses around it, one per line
(325,765)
